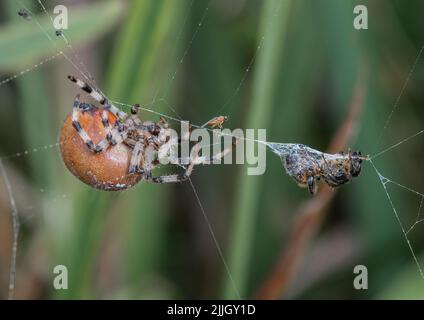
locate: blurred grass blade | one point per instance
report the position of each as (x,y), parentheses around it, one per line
(22,43)
(273,25)
(36,121)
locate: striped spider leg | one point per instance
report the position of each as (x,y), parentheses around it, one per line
(114,135)
(143,138)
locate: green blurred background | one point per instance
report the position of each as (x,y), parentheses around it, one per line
(152,241)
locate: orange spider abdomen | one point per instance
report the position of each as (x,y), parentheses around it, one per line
(107,170)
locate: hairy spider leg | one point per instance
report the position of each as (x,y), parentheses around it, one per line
(194,160)
(113,135)
(214,158)
(180,177)
(152,140)
(136,158)
(96,95)
(142,158)
(203,159)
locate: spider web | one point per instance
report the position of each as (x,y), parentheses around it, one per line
(72,58)
(385,181)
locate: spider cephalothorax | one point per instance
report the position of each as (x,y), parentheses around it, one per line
(307,166)
(112,150)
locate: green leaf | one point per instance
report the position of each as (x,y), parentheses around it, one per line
(23,44)
(260,115)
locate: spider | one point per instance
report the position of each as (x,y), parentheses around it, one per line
(112,150)
(307,166)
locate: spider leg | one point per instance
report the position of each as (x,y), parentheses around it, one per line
(194,160)
(172,178)
(136,158)
(180,177)
(205,160)
(106,124)
(152,140)
(175,177)
(163,123)
(214,158)
(82,133)
(121,115)
(113,136)
(96,95)
(116,135)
